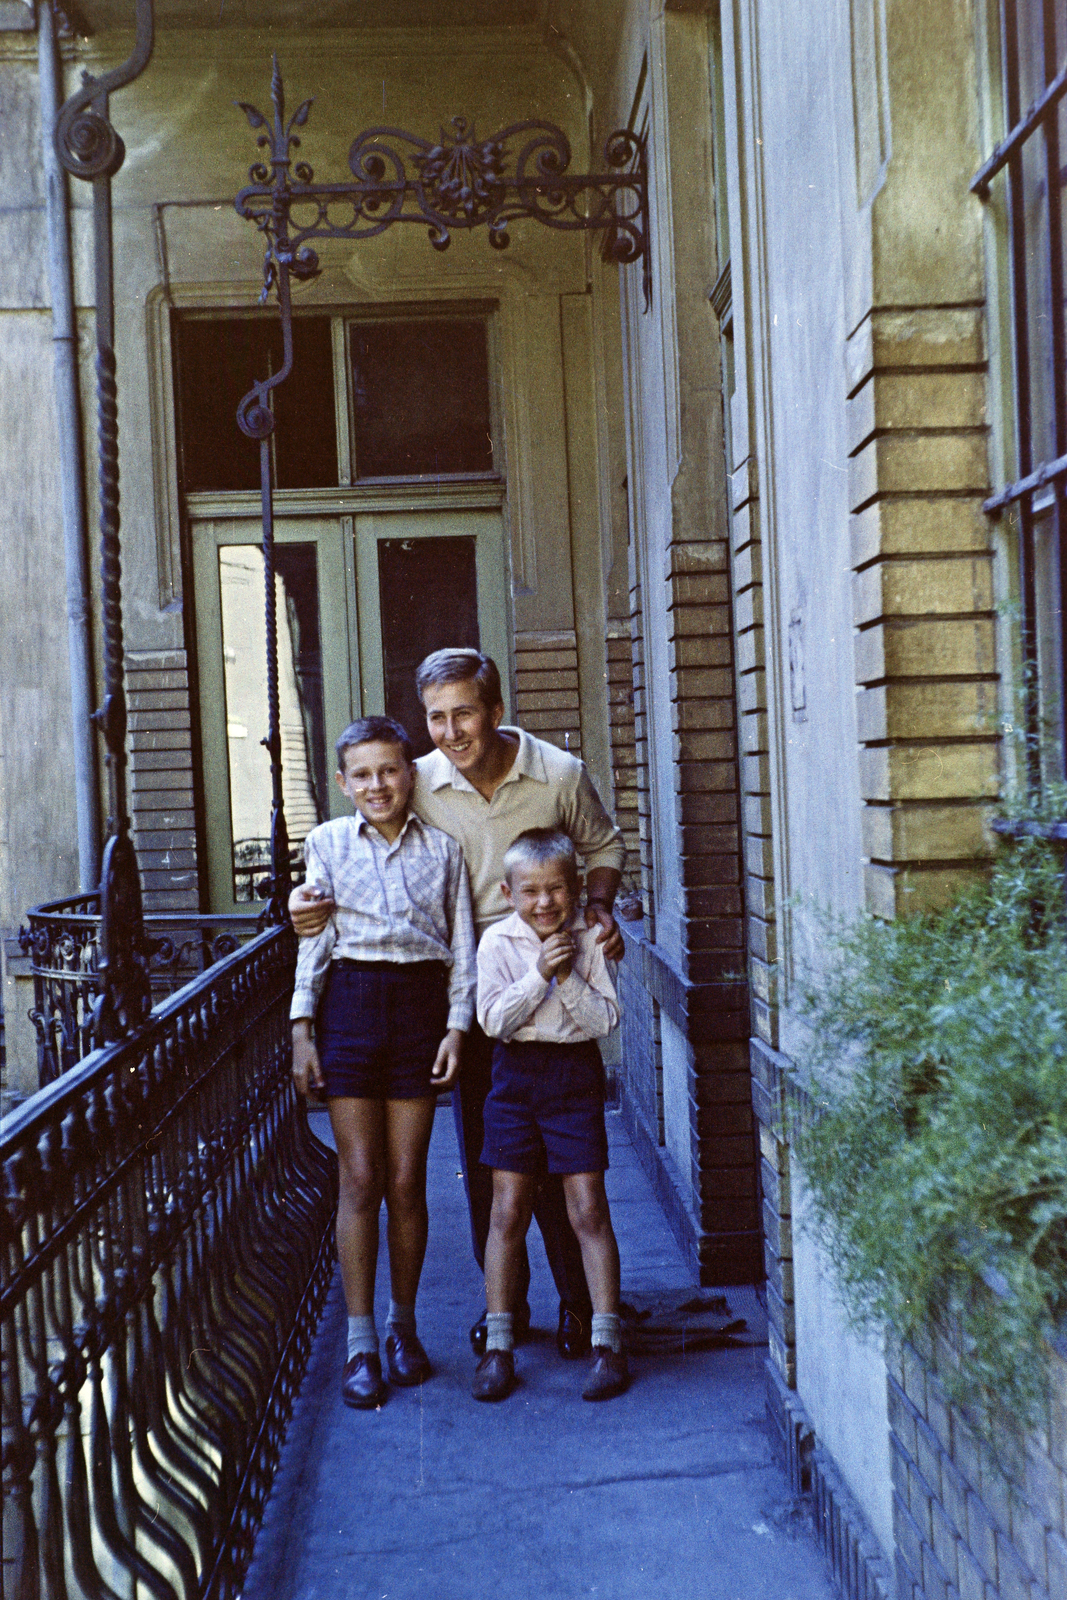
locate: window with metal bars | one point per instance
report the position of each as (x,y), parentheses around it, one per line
(1030,164)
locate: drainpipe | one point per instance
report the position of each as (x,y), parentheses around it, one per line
(71,457)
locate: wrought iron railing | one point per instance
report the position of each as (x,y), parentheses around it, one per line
(62,939)
(167,1245)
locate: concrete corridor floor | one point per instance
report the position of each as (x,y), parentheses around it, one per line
(669,1490)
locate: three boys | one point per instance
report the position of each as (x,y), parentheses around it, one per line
(401,919)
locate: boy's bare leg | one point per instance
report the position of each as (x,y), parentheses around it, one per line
(408,1126)
(587,1208)
(513,1198)
(359,1133)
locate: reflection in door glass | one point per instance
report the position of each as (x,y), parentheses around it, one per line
(301,700)
(420,398)
(429,600)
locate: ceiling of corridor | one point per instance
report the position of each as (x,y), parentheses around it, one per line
(102,15)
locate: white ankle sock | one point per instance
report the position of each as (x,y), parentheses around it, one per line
(498,1334)
(607,1330)
(401,1316)
(362,1336)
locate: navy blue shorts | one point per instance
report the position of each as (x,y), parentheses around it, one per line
(545,1111)
(378,1028)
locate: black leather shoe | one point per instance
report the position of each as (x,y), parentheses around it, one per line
(494,1376)
(362,1384)
(608,1375)
(520,1329)
(406,1360)
(572,1336)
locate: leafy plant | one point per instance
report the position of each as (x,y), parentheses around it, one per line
(932,1127)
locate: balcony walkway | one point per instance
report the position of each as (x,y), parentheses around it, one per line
(669,1490)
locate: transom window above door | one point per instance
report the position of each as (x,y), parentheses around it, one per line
(369,399)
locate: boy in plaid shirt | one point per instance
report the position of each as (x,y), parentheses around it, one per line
(383,997)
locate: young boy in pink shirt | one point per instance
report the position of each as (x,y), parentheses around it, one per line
(546,993)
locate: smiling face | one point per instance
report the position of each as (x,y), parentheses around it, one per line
(544,894)
(378,781)
(461,724)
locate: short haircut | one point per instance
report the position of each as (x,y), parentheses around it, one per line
(373,730)
(461,666)
(539,847)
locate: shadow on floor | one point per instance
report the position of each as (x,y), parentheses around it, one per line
(669,1490)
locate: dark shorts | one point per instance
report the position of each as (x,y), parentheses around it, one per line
(545,1111)
(378,1028)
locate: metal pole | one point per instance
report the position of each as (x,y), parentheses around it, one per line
(71,458)
(88,146)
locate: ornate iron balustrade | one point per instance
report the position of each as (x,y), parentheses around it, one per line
(62,939)
(167,1246)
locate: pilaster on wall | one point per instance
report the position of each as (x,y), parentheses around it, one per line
(618,666)
(753,743)
(768,1099)
(640,735)
(714,1010)
(161,778)
(923,601)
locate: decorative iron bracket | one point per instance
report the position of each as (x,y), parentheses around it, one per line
(458,184)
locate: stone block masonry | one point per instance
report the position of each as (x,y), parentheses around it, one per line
(923,601)
(162,804)
(970,1525)
(546,687)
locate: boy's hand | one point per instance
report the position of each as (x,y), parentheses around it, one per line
(446,1066)
(307,1074)
(310,910)
(557,955)
(598,915)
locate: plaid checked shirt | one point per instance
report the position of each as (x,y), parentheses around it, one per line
(405,901)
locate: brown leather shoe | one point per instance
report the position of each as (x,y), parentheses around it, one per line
(405,1359)
(362,1384)
(608,1376)
(494,1376)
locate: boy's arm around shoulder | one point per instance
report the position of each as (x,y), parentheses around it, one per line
(507,996)
(589,993)
(314,950)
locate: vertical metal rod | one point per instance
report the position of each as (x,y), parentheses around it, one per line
(280,874)
(71,459)
(1058,349)
(1023,413)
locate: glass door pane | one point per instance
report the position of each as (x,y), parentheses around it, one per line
(314,690)
(429,599)
(426,580)
(301,711)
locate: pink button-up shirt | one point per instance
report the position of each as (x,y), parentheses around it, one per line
(515,1002)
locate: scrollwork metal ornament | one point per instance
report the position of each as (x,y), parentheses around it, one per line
(458,182)
(90,148)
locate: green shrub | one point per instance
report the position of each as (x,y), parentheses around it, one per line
(933,1125)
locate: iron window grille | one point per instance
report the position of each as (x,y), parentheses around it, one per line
(1031,158)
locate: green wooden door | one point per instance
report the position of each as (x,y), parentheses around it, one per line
(360,599)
